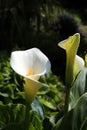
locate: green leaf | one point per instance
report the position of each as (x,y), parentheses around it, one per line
(37,107)
(79,87)
(11,114)
(31,127)
(76,119)
(35,121)
(48,102)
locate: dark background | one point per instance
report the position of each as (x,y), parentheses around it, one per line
(43,23)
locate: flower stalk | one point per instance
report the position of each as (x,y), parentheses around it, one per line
(67,99)
(27,117)
(74,63)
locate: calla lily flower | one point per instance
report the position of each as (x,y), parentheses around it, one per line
(86,60)
(74,63)
(31,64)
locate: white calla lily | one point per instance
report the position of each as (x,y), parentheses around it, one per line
(31,64)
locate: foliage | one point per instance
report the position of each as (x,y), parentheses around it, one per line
(75,115)
(13,108)
(76,118)
(47,110)
(24,24)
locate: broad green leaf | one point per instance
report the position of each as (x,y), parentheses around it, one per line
(35,120)
(48,102)
(79,87)
(76,119)
(4,94)
(43,90)
(37,107)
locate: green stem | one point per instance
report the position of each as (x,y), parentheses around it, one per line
(67,99)
(27,117)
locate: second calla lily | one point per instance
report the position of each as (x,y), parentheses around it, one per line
(31,64)
(74,63)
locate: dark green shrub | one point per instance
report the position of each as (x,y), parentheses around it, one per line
(65,26)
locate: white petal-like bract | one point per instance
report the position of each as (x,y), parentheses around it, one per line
(78,65)
(23,61)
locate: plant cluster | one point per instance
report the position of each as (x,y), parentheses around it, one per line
(35,99)
(13,105)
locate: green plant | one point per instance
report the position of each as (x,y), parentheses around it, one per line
(55,106)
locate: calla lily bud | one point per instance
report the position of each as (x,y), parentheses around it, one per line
(31,64)
(73,62)
(86,60)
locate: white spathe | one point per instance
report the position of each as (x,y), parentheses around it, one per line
(31,64)
(23,61)
(78,65)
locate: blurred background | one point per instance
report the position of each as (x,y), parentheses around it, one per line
(43,23)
